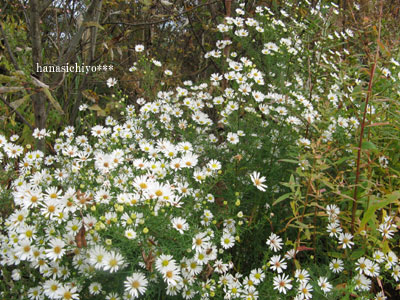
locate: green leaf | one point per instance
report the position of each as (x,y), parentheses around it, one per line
(385,247)
(6,79)
(293,206)
(308,234)
(146,2)
(390,198)
(383,48)
(292,161)
(335,254)
(10,89)
(342,160)
(356,254)
(94,24)
(367,145)
(17,103)
(296,262)
(281,198)
(53,101)
(303,226)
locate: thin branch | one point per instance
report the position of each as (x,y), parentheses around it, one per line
(13,60)
(44,5)
(77,37)
(93,34)
(201,44)
(55,45)
(3,9)
(21,117)
(162,20)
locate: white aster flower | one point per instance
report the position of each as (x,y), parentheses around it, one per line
(277,263)
(345,240)
(336,265)
(227,241)
(282,283)
(324,284)
(180,224)
(258,181)
(56,250)
(274,242)
(139,48)
(136,284)
(111,82)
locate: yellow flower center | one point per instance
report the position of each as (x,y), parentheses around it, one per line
(169,274)
(136,284)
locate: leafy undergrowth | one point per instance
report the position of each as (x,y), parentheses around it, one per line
(276,179)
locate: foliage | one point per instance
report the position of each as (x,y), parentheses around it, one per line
(71,34)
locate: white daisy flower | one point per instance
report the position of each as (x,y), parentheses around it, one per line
(258,181)
(136,284)
(282,283)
